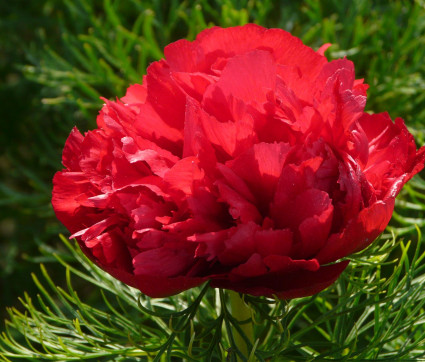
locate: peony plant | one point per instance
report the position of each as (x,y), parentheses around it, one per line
(244,158)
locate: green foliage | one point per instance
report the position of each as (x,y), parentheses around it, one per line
(59,57)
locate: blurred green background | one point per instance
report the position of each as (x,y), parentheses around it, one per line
(58,57)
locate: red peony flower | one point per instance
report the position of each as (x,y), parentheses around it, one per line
(245,158)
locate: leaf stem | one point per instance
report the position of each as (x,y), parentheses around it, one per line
(241,312)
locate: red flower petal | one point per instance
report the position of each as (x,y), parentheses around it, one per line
(247,77)
(164,262)
(239,207)
(72,150)
(67,186)
(282,263)
(240,244)
(273,242)
(299,283)
(307,283)
(183,174)
(261,167)
(136,94)
(253,267)
(359,233)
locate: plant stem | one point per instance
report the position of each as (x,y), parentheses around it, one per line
(242,313)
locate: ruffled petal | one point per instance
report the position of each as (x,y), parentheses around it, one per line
(287,285)
(359,233)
